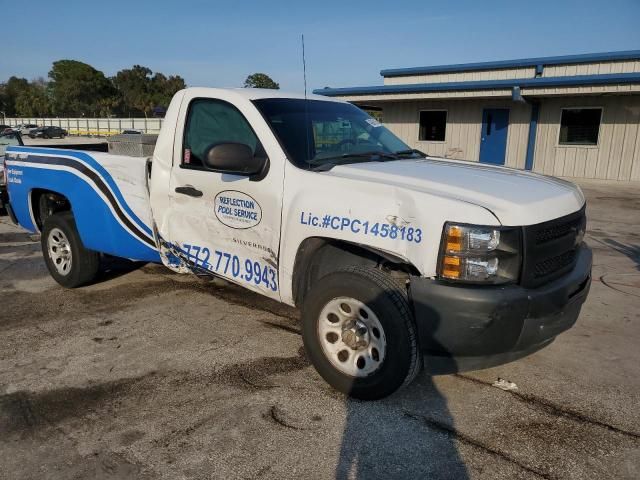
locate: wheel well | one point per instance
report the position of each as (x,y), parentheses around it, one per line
(317,257)
(45,203)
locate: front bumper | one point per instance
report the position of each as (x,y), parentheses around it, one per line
(463,320)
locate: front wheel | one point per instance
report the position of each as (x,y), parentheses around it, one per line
(68,261)
(359,333)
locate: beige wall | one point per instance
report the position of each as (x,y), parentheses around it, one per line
(617,155)
(500,74)
(464,122)
(594,68)
(597,68)
(582,90)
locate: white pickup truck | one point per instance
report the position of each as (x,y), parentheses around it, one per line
(389,253)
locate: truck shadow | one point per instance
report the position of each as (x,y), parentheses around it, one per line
(22,251)
(631,251)
(19,259)
(114,267)
(379,437)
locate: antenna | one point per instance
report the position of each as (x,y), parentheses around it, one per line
(306,111)
(304,69)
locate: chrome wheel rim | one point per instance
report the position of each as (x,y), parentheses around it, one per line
(352,337)
(59,250)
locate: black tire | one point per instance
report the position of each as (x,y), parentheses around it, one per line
(388,301)
(84,263)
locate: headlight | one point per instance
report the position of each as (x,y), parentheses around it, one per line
(478,254)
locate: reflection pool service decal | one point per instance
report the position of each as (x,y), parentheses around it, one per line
(237,210)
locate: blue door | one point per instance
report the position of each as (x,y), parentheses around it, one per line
(493,138)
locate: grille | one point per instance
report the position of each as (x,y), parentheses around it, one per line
(553,264)
(550,248)
(553,232)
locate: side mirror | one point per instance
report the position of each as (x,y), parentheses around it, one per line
(234,158)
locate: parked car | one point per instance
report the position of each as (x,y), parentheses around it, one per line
(4,127)
(48,132)
(26,128)
(389,253)
(132,132)
(7,139)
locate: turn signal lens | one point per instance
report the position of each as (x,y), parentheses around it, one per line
(451,267)
(471,253)
(454,239)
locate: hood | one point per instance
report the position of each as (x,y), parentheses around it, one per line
(515,197)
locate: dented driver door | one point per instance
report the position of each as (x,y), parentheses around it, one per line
(226,224)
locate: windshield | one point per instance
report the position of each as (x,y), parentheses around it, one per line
(319,134)
(8,139)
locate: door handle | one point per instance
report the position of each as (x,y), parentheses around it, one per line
(189,190)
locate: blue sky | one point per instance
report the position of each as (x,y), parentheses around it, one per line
(218,44)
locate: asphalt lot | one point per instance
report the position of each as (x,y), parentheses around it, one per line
(148,374)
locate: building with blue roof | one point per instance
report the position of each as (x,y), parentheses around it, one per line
(571,115)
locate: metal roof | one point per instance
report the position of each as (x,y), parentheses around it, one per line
(523,62)
(574,80)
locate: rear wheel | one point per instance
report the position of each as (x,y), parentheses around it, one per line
(68,261)
(359,333)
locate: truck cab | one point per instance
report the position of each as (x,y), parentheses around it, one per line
(390,254)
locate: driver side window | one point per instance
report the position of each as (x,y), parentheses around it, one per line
(210,122)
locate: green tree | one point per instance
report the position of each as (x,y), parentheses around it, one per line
(133,85)
(79,89)
(141,92)
(3,98)
(11,90)
(260,80)
(33,101)
(164,88)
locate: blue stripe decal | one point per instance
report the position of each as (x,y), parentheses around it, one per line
(96,166)
(98,227)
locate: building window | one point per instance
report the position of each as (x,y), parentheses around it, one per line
(433,125)
(580,126)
